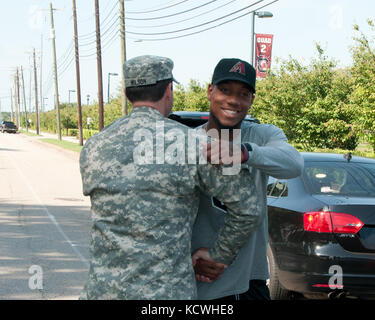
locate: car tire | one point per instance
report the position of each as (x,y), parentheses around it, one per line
(277,291)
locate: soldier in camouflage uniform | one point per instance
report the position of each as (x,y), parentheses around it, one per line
(143,213)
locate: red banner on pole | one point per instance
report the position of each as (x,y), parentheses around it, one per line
(263,50)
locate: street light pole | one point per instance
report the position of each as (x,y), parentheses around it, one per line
(260,14)
(69,94)
(109,79)
(252,35)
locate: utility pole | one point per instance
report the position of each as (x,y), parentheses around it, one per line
(36,96)
(99,62)
(40,77)
(11,105)
(55,74)
(80,134)
(24,100)
(30,84)
(123,58)
(17,98)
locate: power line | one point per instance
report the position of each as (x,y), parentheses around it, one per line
(93,34)
(184,20)
(104,46)
(111,32)
(66,60)
(200,31)
(197,26)
(148,11)
(105,37)
(174,14)
(114,22)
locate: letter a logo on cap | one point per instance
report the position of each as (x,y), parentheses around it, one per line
(238,67)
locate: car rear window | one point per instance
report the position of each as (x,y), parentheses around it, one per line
(339,178)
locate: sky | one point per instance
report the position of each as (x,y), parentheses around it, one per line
(162,27)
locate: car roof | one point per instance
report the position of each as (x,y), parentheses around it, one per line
(201,115)
(333,157)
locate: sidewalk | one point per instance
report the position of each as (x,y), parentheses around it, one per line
(54,136)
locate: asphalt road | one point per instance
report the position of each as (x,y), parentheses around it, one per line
(44,221)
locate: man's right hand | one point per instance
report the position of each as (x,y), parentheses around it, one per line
(206,269)
(218,153)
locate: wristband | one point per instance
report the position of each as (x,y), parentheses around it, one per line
(245,153)
(245,149)
(248,146)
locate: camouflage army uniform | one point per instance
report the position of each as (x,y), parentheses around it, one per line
(143,214)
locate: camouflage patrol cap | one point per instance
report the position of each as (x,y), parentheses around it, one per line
(147,70)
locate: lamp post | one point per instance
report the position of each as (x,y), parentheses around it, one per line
(109,79)
(260,14)
(69,94)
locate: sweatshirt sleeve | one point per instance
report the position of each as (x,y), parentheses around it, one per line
(274,156)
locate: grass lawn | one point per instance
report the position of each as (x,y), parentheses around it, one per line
(64,144)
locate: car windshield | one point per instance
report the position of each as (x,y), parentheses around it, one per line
(338,178)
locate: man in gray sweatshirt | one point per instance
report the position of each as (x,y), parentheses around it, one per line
(265,152)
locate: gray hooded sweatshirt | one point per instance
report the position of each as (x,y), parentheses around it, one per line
(271,155)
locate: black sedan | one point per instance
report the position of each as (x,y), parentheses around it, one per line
(322,229)
(321,225)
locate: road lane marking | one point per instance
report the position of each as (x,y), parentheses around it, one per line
(49,215)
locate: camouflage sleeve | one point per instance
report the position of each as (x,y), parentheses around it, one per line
(238,193)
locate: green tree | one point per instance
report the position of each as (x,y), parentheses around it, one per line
(194,98)
(310,103)
(363,73)
(68,117)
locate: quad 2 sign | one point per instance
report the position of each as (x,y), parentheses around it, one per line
(263,50)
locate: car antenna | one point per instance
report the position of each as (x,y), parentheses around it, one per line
(348,156)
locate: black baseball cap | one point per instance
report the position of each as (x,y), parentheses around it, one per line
(236,70)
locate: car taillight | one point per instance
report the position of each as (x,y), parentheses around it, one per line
(331,222)
(345,223)
(317,221)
